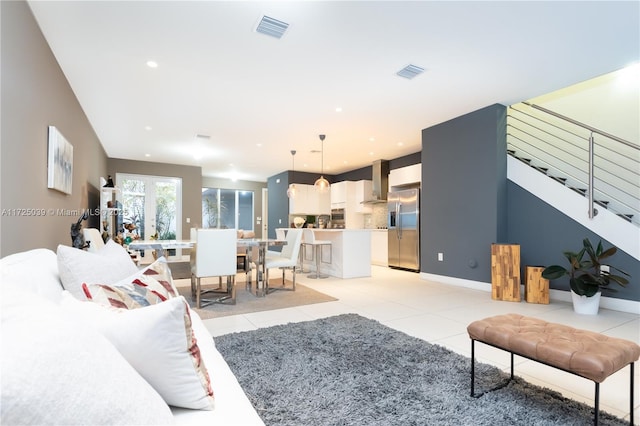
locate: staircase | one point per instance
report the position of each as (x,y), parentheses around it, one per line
(590,176)
(602,168)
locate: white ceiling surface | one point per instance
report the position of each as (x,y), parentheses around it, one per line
(220,78)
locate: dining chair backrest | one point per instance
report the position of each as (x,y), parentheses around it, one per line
(292,248)
(92,235)
(280,234)
(216,252)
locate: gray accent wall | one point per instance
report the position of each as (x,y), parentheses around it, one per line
(35,94)
(544,232)
(278,202)
(463,200)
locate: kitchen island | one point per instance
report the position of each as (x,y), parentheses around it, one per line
(350,256)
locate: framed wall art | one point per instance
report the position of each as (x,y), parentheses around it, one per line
(60,166)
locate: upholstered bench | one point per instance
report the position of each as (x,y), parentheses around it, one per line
(584,353)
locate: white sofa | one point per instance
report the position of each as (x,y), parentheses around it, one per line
(60,367)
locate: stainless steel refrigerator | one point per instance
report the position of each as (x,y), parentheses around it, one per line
(403,221)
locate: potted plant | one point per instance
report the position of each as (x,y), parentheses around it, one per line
(588,277)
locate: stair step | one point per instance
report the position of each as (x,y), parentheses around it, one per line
(627,217)
(581,191)
(562,180)
(541,169)
(602,203)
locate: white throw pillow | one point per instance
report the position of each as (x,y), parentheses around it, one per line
(55,371)
(159,342)
(34,270)
(106,266)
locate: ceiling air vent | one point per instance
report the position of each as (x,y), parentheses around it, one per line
(410,71)
(272,27)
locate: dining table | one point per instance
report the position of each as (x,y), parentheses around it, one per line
(260,288)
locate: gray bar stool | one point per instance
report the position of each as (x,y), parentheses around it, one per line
(316,250)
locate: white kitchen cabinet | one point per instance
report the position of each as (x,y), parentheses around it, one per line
(299,201)
(363,192)
(308,200)
(405,175)
(379,247)
(318,202)
(339,194)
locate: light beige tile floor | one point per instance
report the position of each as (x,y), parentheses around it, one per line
(439,313)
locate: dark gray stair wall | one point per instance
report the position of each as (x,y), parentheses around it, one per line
(463,200)
(544,232)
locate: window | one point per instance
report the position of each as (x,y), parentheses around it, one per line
(227,208)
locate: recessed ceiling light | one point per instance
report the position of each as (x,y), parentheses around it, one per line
(371,139)
(338,109)
(371,153)
(147,128)
(258,144)
(400,143)
(272,27)
(147,155)
(152,64)
(410,71)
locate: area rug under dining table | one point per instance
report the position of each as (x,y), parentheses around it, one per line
(247,302)
(350,370)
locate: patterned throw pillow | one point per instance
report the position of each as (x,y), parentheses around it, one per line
(124,297)
(146,287)
(156,273)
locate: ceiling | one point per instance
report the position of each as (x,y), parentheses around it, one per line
(256,97)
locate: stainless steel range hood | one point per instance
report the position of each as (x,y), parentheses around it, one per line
(380,182)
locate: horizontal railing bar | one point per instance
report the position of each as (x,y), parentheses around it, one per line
(547,123)
(599,166)
(577,123)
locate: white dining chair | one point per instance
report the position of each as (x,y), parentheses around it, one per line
(280,235)
(93,237)
(288,259)
(317,252)
(214,255)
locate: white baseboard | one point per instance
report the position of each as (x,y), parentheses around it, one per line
(612,303)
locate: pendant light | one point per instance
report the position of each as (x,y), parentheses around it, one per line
(322,185)
(291,191)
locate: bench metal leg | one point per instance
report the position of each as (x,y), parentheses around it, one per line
(472,365)
(511,365)
(631,395)
(500,386)
(596,407)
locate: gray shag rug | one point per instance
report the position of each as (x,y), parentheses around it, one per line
(350,370)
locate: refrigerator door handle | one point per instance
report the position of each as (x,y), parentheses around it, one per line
(399,219)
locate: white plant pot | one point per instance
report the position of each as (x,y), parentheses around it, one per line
(586,305)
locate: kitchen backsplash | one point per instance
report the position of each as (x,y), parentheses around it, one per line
(377,218)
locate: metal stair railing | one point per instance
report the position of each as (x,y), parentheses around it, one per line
(604,167)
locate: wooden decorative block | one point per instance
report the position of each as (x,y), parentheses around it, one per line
(505,272)
(536,288)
